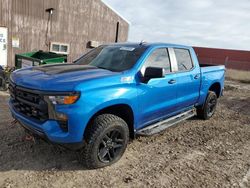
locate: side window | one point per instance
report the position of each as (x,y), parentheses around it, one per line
(158,58)
(184,60)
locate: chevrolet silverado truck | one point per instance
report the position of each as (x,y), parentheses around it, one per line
(111,94)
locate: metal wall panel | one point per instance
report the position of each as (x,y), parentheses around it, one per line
(232,59)
(74,22)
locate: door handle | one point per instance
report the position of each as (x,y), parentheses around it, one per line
(172,81)
(196,76)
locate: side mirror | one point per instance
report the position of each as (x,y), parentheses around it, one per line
(153,72)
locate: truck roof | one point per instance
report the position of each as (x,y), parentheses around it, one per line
(146,44)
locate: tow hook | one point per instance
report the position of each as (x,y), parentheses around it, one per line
(29,137)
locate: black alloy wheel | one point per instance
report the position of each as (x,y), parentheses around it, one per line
(211,105)
(208,109)
(111,146)
(105,140)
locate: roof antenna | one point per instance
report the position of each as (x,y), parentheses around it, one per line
(142,42)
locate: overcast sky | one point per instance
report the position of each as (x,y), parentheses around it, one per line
(211,23)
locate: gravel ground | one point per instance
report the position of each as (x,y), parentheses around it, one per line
(195,153)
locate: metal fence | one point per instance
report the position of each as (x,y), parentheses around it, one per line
(229,64)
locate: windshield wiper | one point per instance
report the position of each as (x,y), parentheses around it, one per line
(103,68)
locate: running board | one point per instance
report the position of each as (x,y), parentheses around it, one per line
(162,125)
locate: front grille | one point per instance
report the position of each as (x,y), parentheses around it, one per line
(28,103)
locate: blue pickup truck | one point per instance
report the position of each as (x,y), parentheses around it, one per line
(114,92)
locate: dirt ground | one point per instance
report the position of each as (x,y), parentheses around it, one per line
(195,153)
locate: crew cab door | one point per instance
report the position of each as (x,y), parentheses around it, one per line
(157,97)
(187,79)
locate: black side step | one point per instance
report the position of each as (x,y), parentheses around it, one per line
(162,125)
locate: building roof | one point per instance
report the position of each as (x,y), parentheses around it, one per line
(116,12)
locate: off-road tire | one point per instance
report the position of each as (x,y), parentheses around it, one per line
(102,125)
(204,111)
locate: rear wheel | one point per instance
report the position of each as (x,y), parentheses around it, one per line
(105,142)
(208,109)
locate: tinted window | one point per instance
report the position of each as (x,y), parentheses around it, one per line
(114,58)
(184,60)
(158,58)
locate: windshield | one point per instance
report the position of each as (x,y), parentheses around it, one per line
(113,58)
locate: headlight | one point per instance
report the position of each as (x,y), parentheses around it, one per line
(63,99)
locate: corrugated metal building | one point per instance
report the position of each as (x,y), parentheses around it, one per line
(232,59)
(67,28)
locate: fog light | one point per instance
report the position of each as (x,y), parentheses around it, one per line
(61,116)
(62,121)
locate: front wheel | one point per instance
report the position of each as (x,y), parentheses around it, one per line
(208,109)
(105,141)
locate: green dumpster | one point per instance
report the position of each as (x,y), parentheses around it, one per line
(38,58)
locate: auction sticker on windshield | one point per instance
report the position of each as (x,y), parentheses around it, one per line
(127,49)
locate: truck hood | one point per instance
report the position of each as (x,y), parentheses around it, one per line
(57,77)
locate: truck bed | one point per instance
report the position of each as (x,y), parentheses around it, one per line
(210,74)
(206,65)
(205,68)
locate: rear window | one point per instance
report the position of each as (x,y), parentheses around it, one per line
(184,60)
(113,58)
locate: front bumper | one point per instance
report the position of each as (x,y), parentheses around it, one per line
(34,132)
(50,130)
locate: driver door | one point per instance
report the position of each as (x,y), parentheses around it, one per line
(157,97)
